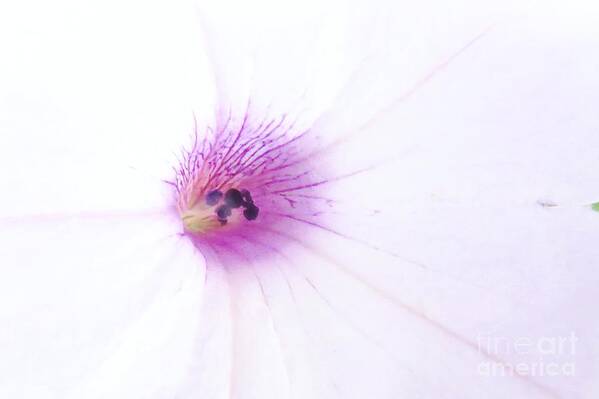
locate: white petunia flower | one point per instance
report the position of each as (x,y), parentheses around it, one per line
(357,199)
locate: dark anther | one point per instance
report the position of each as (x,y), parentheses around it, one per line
(222,221)
(213,197)
(223,212)
(247,197)
(251,212)
(233,198)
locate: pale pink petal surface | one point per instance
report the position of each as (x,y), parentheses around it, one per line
(443,225)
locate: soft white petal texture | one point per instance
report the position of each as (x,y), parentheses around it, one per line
(84,311)
(461,141)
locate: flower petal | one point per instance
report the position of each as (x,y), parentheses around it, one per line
(454,217)
(437,240)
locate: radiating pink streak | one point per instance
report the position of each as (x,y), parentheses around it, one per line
(53,217)
(448,332)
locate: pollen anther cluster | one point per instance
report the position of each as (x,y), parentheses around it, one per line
(233,199)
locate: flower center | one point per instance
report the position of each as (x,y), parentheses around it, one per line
(216,209)
(246,180)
